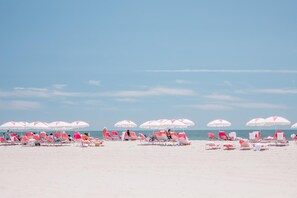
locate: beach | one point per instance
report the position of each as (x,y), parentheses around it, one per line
(128,169)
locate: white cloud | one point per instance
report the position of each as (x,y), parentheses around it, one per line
(256,105)
(156,91)
(222,71)
(178,81)
(95,83)
(216,96)
(20,105)
(275,91)
(209,106)
(126,100)
(59,86)
(93,102)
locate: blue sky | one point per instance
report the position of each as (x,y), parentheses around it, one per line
(103,61)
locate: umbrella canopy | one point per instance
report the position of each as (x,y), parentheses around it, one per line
(59,125)
(256,122)
(276,121)
(173,124)
(151,124)
(188,122)
(79,124)
(38,125)
(294,126)
(125,124)
(12,126)
(219,123)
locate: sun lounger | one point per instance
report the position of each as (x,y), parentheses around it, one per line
(115,135)
(229,146)
(244,145)
(232,135)
(212,145)
(260,147)
(108,136)
(281,139)
(255,137)
(223,135)
(212,136)
(183,139)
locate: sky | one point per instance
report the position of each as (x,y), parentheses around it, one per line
(106,61)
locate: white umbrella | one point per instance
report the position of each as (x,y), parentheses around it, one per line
(173,124)
(59,125)
(276,121)
(219,123)
(12,126)
(294,126)
(79,124)
(188,122)
(125,124)
(37,125)
(151,124)
(256,122)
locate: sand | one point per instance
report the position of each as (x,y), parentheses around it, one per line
(127,169)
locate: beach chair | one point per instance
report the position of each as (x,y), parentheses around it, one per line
(260,147)
(229,146)
(232,135)
(223,135)
(183,139)
(174,136)
(212,136)
(2,141)
(210,145)
(141,137)
(133,136)
(255,137)
(115,135)
(244,145)
(281,139)
(107,136)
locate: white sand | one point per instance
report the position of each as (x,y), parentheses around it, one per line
(125,169)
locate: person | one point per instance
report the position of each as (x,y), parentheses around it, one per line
(168,134)
(128,133)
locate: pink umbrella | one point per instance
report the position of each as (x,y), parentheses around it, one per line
(12,126)
(38,125)
(79,124)
(219,123)
(276,121)
(59,125)
(125,124)
(256,122)
(188,122)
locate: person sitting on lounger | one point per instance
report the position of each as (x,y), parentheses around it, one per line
(168,134)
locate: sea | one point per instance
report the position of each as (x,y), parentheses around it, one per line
(191,134)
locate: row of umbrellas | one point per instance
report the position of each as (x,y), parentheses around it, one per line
(38,125)
(184,123)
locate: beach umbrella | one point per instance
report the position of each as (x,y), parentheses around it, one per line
(276,121)
(12,126)
(125,124)
(59,125)
(79,124)
(219,123)
(173,124)
(294,126)
(188,122)
(37,125)
(151,124)
(256,122)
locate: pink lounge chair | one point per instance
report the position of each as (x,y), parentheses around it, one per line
(212,145)
(2,140)
(115,135)
(244,145)
(223,135)
(174,136)
(183,139)
(108,136)
(229,146)
(141,137)
(212,136)
(77,136)
(133,136)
